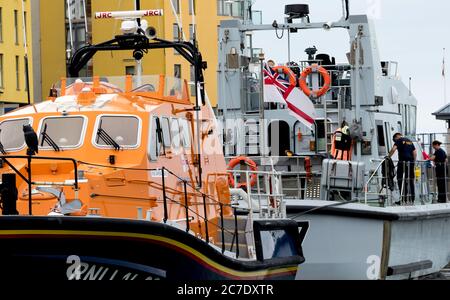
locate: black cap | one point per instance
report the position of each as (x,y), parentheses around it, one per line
(437,143)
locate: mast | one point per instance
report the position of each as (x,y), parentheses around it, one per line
(137,6)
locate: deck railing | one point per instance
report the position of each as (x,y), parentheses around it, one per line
(418,184)
(206,200)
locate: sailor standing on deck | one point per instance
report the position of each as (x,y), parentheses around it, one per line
(440,160)
(407,155)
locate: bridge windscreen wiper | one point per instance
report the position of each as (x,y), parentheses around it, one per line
(105,137)
(2,149)
(46,138)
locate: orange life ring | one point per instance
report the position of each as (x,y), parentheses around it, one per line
(326,77)
(286,71)
(236,161)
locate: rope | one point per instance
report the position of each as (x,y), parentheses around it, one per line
(322,207)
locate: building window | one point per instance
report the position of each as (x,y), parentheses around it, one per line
(230,8)
(25,67)
(176,5)
(223,8)
(16,27)
(1,70)
(25,26)
(17,73)
(177,71)
(176,35)
(191,32)
(192,7)
(1,25)
(176,32)
(192,82)
(130,70)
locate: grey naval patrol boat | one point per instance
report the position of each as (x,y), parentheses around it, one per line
(359,228)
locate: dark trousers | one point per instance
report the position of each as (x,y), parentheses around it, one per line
(441,181)
(406,185)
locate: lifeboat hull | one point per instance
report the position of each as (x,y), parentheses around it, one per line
(79,248)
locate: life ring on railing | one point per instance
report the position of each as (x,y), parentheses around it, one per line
(315,68)
(288,72)
(236,161)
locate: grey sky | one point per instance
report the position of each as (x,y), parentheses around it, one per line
(412,32)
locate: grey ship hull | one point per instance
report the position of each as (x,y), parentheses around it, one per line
(358,242)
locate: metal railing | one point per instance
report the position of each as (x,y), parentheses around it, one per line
(28,179)
(296,182)
(266,196)
(426,140)
(407,183)
(206,200)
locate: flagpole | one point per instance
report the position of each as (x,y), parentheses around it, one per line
(444,74)
(262,122)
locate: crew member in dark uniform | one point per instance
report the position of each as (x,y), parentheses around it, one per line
(440,160)
(407,155)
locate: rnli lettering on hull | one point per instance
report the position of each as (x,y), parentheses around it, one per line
(107,269)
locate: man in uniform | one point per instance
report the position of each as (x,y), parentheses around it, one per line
(440,160)
(407,155)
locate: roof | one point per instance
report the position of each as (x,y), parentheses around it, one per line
(443,113)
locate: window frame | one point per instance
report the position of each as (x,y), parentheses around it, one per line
(2,62)
(161,118)
(1,24)
(178,146)
(16,27)
(192,7)
(24,143)
(153,135)
(83,132)
(107,147)
(189,134)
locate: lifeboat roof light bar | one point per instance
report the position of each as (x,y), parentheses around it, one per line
(134,14)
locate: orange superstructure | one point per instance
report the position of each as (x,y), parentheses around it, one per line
(134,141)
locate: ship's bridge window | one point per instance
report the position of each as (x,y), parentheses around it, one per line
(121,130)
(185,133)
(165,127)
(64,132)
(175,130)
(155,138)
(11,134)
(161,137)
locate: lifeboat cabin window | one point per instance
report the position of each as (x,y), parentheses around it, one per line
(185,133)
(167,139)
(124,130)
(175,130)
(155,138)
(65,132)
(11,134)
